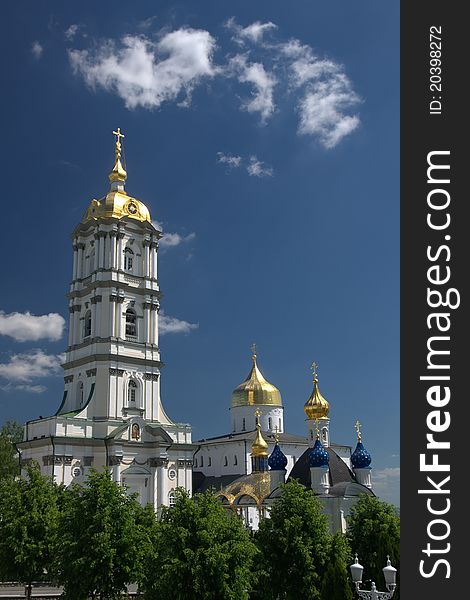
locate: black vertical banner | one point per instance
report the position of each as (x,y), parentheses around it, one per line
(435,361)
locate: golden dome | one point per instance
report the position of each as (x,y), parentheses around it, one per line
(259,447)
(255,390)
(316,406)
(117,203)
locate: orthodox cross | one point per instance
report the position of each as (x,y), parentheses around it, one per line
(314,368)
(258,414)
(276,434)
(358,426)
(118,135)
(253,350)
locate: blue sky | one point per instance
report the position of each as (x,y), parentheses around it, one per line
(264,138)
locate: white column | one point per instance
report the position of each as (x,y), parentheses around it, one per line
(112,239)
(75,261)
(119,264)
(146,323)
(96,266)
(81,246)
(154,339)
(146,258)
(119,318)
(105,243)
(71,325)
(112,318)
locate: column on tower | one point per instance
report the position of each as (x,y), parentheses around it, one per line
(113,240)
(75,261)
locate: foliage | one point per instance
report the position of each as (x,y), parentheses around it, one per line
(99,550)
(10,434)
(29,517)
(374,533)
(203,552)
(337,584)
(294,546)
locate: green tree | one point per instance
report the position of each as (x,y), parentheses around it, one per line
(293,544)
(99,550)
(10,434)
(337,583)
(374,533)
(203,552)
(29,518)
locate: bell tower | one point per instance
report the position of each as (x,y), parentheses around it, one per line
(111,415)
(112,366)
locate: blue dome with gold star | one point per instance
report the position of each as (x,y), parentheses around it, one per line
(319,457)
(278,460)
(360,458)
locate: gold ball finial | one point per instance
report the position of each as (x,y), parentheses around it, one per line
(357,427)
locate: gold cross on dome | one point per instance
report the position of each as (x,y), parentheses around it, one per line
(358,426)
(314,368)
(276,433)
(253,349)
(119,135)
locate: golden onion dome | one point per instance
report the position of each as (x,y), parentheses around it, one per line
(259,447)
(117,203)
(316,406)
(255,390)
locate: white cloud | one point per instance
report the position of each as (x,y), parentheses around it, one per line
(24,368)
(328,94)
(257,168)
(24,327)
(71,32)
(37,50)
(262,98)
(230,160)
(168,324)
(32,389)
(253,33)
(146,74)
(170,240)
(386,484)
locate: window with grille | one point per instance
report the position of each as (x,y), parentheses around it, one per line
(128,259)
(132,392)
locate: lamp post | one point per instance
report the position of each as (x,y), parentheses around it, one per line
(390,574)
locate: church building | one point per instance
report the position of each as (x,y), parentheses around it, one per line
(111,413)
(246,467)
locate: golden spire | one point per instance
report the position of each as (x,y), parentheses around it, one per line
(357,427)
(316,406)
(118,173)
(259,446)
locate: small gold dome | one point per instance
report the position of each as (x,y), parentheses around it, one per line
(256,391)
(316,406)
(259,446)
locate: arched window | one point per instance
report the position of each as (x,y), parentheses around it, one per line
(225,461)
(80,393)
(132,392)
(195,462)
(128,259)
(171,499)
(209,461)
(324,433)
(131,323)
(202,461)
(87,324)
(270,423)
(235,460)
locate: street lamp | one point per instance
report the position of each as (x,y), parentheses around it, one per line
(390,574)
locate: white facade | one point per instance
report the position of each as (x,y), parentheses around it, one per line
(111,414)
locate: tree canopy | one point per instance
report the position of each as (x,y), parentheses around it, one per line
(29,516)
(99,548)
(294,545)
(202,551)
(10,434)
(374,533)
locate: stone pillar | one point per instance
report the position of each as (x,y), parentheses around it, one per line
(81,247)
(146,305)
(112,240)
(119,264)
(146,251)
(75,261)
